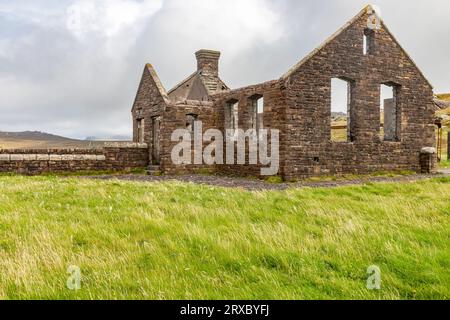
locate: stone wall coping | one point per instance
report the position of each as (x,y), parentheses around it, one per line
(52,151)
(37,161)
(125,145)
(251,87)
(428,150)
(100,150)
(51,157)
(195,103)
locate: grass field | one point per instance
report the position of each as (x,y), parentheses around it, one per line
(177,241)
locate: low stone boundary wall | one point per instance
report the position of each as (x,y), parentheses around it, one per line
(114,157)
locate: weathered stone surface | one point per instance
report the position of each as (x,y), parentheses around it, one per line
(125,144)
(66,157)
(16,157)
(78,157)
(55,157)
(428,150)
(29,157)
(428,162)
(42,157)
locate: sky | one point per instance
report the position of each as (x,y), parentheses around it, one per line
(72,67)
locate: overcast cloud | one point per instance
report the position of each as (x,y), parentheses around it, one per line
(72,67)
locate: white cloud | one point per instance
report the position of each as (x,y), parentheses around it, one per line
(108,18)
(234,25)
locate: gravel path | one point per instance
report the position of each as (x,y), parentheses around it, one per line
(255,184)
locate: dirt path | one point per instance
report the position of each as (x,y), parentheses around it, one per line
(254,184)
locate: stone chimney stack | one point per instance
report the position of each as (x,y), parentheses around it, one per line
(208,62)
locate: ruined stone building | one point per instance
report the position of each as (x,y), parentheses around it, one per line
(363,53)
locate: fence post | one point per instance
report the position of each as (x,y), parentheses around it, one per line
(428,160)
(448,145)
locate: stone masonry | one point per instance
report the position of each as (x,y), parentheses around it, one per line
(363,53)
(110,158)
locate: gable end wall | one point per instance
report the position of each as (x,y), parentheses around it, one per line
(151,101)
(308,96)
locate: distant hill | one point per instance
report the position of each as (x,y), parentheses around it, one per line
(443,96)
(338,115)
(33,135)
(42,140)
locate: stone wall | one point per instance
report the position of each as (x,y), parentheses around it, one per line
(212,116)
(273,117)
(176,115)
(36,161)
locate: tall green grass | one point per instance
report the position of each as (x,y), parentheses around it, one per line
(184,241)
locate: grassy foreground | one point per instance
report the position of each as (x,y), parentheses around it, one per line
(176,241)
